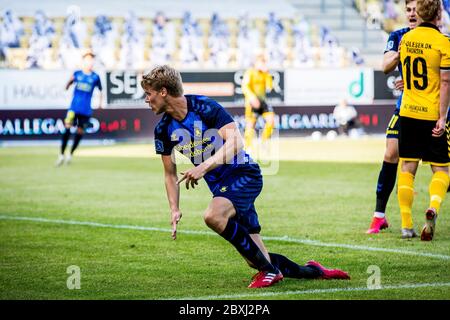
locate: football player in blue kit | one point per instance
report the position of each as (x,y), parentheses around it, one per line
(80,111)
(202,130)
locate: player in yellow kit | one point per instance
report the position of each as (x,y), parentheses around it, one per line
(257,82)
(425,58)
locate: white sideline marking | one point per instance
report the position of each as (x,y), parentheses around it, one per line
(314,291)
(266,238)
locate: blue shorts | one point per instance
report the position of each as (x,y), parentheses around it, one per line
(242,187)
(392,129)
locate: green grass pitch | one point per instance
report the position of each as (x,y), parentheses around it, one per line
(326,203)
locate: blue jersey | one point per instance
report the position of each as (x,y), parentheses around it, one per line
(392,45)
(82,95)
(196,136)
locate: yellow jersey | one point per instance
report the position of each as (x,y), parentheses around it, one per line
(424,52)
(256,83)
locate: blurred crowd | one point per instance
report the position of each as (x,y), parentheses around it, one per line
(132,42)
(389,14)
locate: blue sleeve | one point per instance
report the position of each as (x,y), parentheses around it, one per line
(214,115)
(163,145)
(392,43)
(75,76)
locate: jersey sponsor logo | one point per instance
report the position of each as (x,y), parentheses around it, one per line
(83,86)
(159,146)
(197,132)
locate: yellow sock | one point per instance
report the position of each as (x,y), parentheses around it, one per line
(405,198)
(249,134)
(438,189)
(268,130)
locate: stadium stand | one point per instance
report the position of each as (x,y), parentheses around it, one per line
(203,35)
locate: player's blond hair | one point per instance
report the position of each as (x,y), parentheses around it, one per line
(428,10)
(164,77)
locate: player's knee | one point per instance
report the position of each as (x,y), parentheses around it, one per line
(270,121)
(249,131)
(249,126)
(80,131)
(215,220)
(391,156)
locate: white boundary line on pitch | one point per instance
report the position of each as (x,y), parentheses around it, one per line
(266,238)
(314,291)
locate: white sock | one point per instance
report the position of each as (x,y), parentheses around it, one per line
(377,214)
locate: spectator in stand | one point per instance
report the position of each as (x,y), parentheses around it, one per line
(331,54)
(73,39)
(163,40)
(40,41)
(355,56)
(275,42)
(11,29)
(191,53)
(247,42)
(132,43)
(103,41)
(444,24)
(303,56)
(218,43)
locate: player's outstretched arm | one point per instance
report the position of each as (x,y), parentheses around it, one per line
(233,144)
(69,83)
(173,192)
(100,99)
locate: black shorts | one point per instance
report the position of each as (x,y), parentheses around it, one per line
(392,129)
(417,143)
(263,108)
(77,120)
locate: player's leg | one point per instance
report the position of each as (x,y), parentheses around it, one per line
(237,194)
(249,133)
(68,122)
(413,142)
(437,190)
(405,196)
(438,156)
(82,123)
(388,175)
(386,178)
(290,269)
(269,119)
(77,139)
(220,217)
